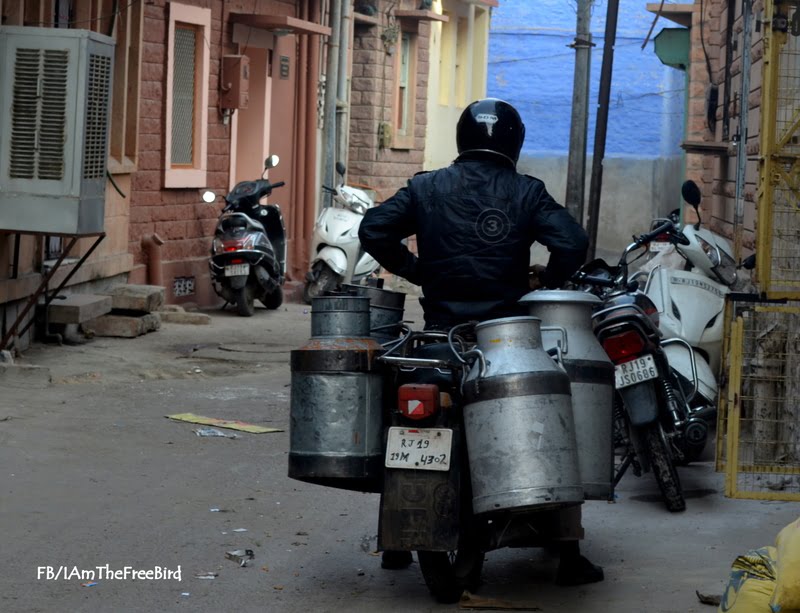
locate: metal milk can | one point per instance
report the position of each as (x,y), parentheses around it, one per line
(591,375)
(386,310)
(336,407)
(518,422)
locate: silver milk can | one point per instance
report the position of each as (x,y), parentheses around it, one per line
(518,422)
(386,310)
(591,376)
(336,407)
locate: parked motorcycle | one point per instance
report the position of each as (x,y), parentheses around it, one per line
(248,253)
(655,424)
(336,253)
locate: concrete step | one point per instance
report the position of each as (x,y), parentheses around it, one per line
(78,308)
(122,326)
(139,298)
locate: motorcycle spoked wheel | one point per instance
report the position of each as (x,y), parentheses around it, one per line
(245,301)
(663,467)
(448,573)
(324,280)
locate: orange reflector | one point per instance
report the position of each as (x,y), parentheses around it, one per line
(418,401)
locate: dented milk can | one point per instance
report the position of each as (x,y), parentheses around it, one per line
(336,422)
(591,376)
(518,422)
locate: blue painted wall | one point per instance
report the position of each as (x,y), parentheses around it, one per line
(531,66)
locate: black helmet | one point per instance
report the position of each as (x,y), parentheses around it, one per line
(492,126)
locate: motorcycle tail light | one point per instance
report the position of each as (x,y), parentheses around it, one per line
(418,401)
(239,261)
(624,347)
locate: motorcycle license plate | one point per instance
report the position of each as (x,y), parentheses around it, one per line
(237,270)
(658,246)
(636,371)
(419,448)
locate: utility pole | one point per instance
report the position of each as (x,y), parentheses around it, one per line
(331,85)
(601,126)
(576,165)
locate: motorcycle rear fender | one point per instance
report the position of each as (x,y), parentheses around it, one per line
(641,403)
(679,359)
(420,509)
(335,259)
(237,282)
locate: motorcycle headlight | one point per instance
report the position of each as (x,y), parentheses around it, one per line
(726,269)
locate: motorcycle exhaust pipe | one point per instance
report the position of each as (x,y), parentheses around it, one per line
(707,414)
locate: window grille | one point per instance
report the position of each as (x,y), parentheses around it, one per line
(183,96)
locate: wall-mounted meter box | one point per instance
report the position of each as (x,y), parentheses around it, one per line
(235,82)
(55,109)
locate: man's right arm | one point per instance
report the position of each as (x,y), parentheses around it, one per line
(382,231)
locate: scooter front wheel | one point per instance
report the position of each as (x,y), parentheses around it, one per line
(323,280)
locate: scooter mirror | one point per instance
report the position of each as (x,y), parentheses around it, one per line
(209,196)
(691,193)
(271,162)
(749,262)
(340,168)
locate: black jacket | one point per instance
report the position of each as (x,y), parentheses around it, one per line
(475,222)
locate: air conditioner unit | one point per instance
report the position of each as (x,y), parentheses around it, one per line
(55,108)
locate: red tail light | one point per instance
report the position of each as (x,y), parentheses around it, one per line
(418,401)
(234,245)
(624,347)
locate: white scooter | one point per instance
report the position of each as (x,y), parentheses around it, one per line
(336,253)
(688,285)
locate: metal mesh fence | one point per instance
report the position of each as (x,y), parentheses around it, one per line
(183,96)
(759,433)
(784,167)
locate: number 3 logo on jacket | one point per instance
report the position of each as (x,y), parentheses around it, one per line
(492,226)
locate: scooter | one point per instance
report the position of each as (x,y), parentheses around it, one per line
(248,253)
(336,253)
(689,293)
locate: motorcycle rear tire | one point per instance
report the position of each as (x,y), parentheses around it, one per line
(664,468)
(274,300)
(245,301)
(448,573)
(325,280)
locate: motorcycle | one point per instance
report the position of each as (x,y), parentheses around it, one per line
(656,425)
(688,281)
(248,253)
(336,252)
(481,451)
(467,434)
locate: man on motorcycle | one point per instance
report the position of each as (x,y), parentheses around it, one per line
(475,222)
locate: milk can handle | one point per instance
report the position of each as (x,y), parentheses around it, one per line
(563,347)
(477,353)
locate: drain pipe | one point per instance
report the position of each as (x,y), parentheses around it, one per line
(151,244)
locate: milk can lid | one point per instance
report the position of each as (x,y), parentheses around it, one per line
(561,296)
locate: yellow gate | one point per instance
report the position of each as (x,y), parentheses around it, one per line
(778,231)
(759,427)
